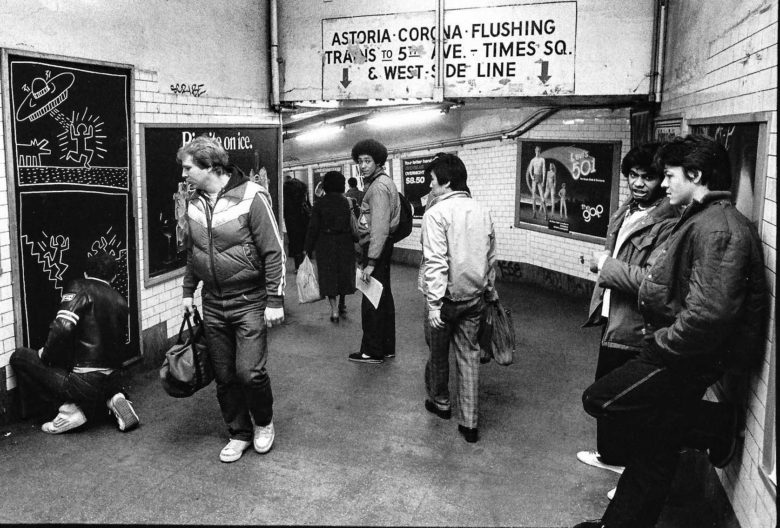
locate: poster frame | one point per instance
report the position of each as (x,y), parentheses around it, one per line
(764,122)
(613,193)
(416,219)
(179,271)
(11,190)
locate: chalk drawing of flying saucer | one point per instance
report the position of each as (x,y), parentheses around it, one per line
(45,96)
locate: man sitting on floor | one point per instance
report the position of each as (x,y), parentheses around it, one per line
(78,367)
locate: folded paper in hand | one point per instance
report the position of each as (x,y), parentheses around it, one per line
(371,289)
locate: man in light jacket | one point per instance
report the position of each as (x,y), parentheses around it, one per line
(380,213)
(459,250)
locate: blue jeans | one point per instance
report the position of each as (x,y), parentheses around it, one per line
(459,333)
(238,348)
(56,385)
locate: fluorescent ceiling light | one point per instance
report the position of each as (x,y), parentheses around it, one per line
(330,103)
(401,119)
(319,133)
(398,102)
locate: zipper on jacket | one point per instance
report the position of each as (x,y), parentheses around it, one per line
(209,217)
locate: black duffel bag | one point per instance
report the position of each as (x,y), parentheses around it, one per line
(187,368)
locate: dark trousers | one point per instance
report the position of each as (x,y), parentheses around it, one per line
(55,385)
(611,442)
(237,339)
(656,406)
(379,323)
(298,260)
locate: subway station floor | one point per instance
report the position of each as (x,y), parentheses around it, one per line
(354,444)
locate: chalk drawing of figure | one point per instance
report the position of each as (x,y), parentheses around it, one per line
(50,253)
(82,154)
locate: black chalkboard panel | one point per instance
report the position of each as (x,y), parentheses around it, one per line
(70,130)
(254,149)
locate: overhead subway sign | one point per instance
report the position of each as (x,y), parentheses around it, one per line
(490,52)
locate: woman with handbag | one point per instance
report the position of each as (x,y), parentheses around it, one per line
(330,238)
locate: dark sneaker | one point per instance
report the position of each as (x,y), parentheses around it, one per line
(722,451)
(123,411)
(431,407)
(471,434)
(391,355)
(358,357)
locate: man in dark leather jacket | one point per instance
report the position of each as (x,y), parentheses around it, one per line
(704,303)
(638,226)
(79,364)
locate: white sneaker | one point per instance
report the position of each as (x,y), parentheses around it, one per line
(123,411)
(592,458)
(69,417)
(233,450)
(264,438)
(611,493)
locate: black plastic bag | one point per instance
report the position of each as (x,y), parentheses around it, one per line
(496,334)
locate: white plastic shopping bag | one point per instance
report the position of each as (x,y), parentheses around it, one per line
(306,280)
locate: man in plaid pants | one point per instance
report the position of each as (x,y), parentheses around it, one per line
(457,278)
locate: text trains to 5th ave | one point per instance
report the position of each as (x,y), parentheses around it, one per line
(494,58)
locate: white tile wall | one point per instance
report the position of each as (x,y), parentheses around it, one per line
(739,77)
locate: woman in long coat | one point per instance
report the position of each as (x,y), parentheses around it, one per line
(296,216)
(329,239)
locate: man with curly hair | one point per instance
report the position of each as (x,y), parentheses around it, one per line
(380,213)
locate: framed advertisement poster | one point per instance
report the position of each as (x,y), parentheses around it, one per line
(567,187)
(744,137)
(254,149)
(416,184)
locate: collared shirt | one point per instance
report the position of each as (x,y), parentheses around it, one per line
(634,215)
